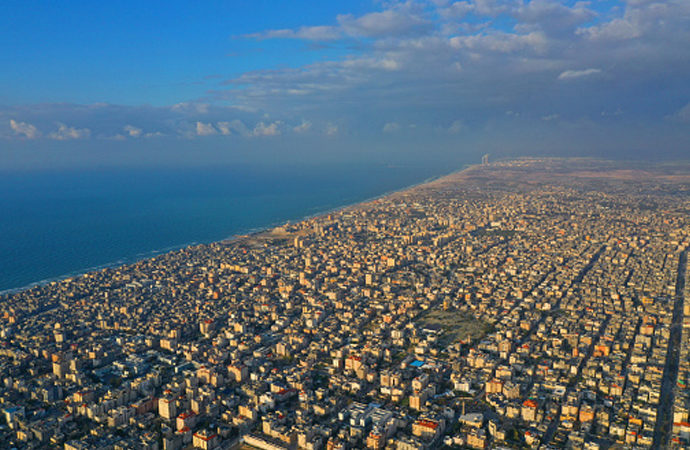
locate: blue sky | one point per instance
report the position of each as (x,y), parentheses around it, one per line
(153,52)
(111,83)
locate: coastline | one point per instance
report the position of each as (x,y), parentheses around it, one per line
(234,238)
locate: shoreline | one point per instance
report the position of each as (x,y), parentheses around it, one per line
(253,232)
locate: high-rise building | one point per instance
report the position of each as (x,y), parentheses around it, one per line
(167,408)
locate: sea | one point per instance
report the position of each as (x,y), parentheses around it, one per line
(56,224)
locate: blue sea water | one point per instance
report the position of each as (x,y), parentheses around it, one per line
(54,224)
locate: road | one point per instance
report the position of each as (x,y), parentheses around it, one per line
(664,417)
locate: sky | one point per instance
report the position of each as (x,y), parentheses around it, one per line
(132,83)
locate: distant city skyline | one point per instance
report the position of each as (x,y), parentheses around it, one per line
(127,83)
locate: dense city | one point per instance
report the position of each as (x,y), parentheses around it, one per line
(533,303)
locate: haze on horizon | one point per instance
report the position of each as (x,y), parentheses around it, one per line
(176,83)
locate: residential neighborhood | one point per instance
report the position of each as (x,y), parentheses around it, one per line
(532,303)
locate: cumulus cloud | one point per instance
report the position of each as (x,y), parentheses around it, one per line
(263,129)
(502,42)
(224,128)
(390,22)
(24,129)
(456,127)
(391,127)
(233,127)
(430,62)
(118,122)
(133,131)
(205,129)
(64,133)
(456,10)
(683,114)
(554,18)
(489,8)
(617,29)
(303,127)
(331,129)
(573,74)
(649,20)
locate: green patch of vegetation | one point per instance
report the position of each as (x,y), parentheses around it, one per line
(454,325)
(460,393)
(397,359)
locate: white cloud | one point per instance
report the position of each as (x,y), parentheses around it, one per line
(331,129)
(65,132)
(133,131)
(205,129)
(315,33)
(658,22)
(24,129)
(616,112)
(372,63)
(415,56)
(457,9)
(502,42)
(430,62)
(234,127)
(683,114)
(554,18)
(303,127)
(617,29)
(225,128)
(391,22)
(573,74)
(191,108)
(391,127)
(262,129)
(489,8)
(456,127)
